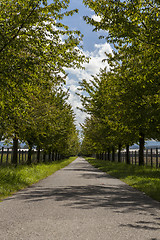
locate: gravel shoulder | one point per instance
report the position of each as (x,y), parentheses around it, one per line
(79,202)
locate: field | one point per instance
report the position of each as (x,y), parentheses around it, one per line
(13,179)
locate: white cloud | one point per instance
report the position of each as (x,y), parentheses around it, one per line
(96,18)
(91,68)
(95,62)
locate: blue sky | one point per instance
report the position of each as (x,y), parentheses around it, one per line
(93,47)
(76,22)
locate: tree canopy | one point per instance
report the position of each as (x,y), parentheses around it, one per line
(127,98)
(35,50)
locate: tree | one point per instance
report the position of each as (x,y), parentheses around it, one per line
(35,49)
(135,22)
(132,28)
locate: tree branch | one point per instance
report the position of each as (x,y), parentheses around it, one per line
(22,25)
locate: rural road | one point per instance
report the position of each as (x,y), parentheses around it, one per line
(79,202)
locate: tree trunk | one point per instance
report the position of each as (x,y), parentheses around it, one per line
(2,154)
(49,156)
(109,154)
(119,152)
(15,150)
(56,156)
(52,158)
(127,155)
(141,149)
(44,156)
(105,154)
(29,161)
(113,154)
(38,155)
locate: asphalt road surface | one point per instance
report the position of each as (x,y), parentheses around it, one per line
(79,202)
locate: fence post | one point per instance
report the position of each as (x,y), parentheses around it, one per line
(22,156)
(26,152)
(2,154)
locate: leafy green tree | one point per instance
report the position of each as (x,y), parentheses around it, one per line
(35,50)
(134,22)
(31,35)
(132,27)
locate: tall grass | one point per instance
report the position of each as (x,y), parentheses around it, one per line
(13,179)
(145,179)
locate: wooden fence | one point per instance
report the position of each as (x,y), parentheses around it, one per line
(151,157)
(7,153)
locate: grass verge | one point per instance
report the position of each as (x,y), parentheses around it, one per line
(145,179)
(13,179)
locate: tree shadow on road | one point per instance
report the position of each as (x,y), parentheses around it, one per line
(121,200)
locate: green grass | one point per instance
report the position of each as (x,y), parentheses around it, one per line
(145,179)
(13,179)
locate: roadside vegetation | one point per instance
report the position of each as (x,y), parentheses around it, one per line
(145,179)
(13,179)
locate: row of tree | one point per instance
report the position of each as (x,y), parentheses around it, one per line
(124,102)
(35,50)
